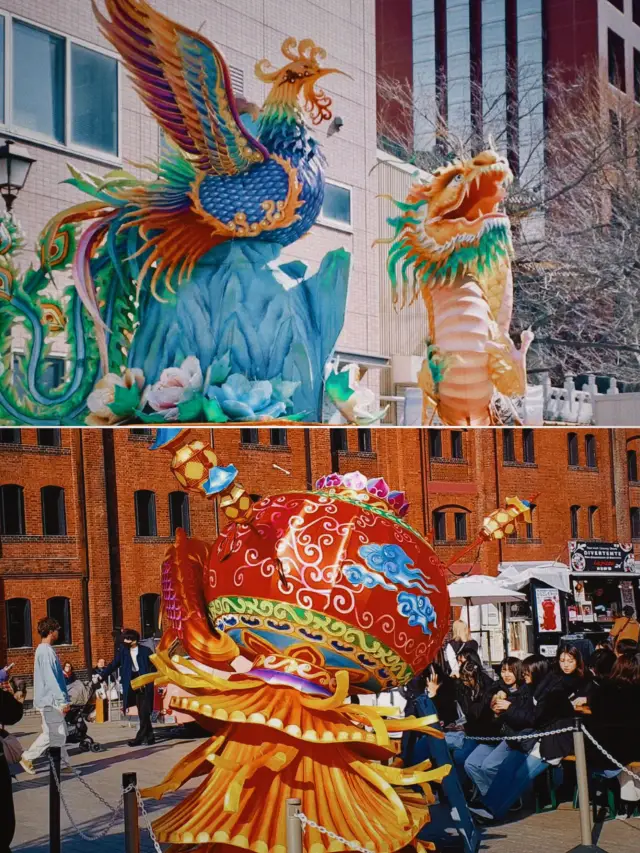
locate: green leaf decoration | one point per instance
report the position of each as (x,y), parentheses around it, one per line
(192,410)
(219,370)
(213,412)
(337,386)
(150,418)
(126,401)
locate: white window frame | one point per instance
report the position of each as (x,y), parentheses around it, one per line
(336,223)
(23,135)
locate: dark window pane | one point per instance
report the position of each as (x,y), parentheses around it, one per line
(145,504)
(179,512)
(632,465)
(249,436)
(528,445)
(38,81)
(150,615)
(49,437)
(53,511)
(59,609)
(364,441)
(575,524)
(18,612)
(529,525)
(9,435)
(572,449)
(337,204)
(590,451)
(635,522)
(12,511)
(616,61)
(619,4)
(94,100)
(508,446)
(278,437)
(636,11)
(457,451)
(440,526)
(143,431)
(461,526)
(593,522)
(636,74)
(339,440)
(435,444)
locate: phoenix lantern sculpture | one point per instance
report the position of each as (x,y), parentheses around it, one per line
(181,308)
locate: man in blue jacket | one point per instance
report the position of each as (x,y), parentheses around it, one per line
(133,660)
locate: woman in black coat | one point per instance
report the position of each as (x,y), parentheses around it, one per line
(615,711)
(10,714)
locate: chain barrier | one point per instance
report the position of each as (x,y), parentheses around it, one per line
(353,845)
(609,756)
(530,736)
(115,810)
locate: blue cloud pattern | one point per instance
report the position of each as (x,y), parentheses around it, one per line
(418,610)
(357,575)
(394,564)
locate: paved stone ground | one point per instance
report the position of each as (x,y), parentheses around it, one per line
(554,832)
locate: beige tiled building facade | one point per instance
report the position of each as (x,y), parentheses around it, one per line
(62,98)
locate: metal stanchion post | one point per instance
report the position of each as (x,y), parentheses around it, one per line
(582,776)
(54,800)
(294,827)
(131,826)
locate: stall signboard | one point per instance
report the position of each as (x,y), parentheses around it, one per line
(601,557)
(627,598)
(548,610)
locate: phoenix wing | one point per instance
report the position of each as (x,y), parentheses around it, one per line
(184,606)
(184,81)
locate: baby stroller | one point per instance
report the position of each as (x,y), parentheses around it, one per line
(76,720)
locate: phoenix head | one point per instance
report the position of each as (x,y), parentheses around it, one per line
(298,80)
(452,223)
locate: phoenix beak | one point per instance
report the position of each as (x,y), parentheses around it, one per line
(324,71)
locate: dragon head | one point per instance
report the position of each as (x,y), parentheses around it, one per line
(451,224)
(298,79)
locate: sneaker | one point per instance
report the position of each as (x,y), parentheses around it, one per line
(517,806)
(27,766)
(483,814)
(70,770)
(622,816)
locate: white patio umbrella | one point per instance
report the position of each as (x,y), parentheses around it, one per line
(481,589)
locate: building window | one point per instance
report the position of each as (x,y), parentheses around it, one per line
(12,511)
(336,208)
(575,522)
(508,446)
(62,91)
(339,441)
(528,446)
(179,512)
(440,526)
(461,526)
(49,438)
(635,522)
(616,61)
(590,451)
(435,444)
(636,74)
(54,522)
(619,4)
(593,522)
(249,436)
(365,444)
(632,466)
(278,437)
(59,608)
(635,11)
(145,504)
(457,447)
(529,525)
(572,449)
(8,435)
(150,615)
(143,432)
(18,612)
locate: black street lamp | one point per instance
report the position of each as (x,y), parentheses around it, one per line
(15,165)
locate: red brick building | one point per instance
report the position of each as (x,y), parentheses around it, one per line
(86,515)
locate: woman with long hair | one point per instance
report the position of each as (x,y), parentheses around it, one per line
(461,641)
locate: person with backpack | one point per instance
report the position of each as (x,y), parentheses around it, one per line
(461,642)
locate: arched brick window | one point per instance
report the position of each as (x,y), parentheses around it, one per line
(54,521)
(12,510)
(179,512)
(18,614)
(149,615)
(145,506)
(59,608)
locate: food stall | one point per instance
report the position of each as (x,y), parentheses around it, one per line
(575,603)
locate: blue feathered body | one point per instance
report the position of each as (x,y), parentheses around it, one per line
(225,196)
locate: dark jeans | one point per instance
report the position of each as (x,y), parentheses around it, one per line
(144,704)
(7,814)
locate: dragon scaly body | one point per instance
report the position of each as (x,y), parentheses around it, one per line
(454,247)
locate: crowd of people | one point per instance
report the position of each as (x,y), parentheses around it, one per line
(533,700)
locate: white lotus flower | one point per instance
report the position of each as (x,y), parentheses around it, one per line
(176,385)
